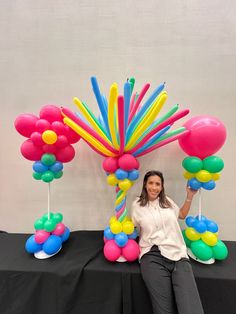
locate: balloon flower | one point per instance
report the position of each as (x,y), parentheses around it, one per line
(49,145)
(124,131)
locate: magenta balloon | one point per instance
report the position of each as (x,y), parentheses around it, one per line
(31,151)
(42,125)
(49,149)
(25,124)
(65,154)
(36,138)
(51,113)
(59,128)
(206,137)
(62,141)
(72,136)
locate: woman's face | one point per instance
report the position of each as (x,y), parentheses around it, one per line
(153,187)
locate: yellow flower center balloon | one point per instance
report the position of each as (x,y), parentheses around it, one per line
(49,137)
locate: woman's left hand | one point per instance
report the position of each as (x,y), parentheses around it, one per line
(190,192)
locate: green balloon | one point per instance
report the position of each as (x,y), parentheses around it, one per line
(50,225)
(186,240)
(201,250)
(47,176)
(58,175)
(220,250)
(37,176)
(48,159)
(58,217)
(39,224)
(213,164)
(45,216)
(192,164)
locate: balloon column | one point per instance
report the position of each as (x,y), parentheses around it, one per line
(124,131)
(49,146)
(206,136)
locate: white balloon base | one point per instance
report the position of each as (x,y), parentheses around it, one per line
(121,259)
(210,261)
(43,255)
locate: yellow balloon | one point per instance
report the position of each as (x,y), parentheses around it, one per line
(209,238)
(125,184)
(111,179)
(112,219)
(111,113)
(116,227)
(192,234)
(188,175)
(49,137)
(126,219)
(203,176)
(215,176)
(128,227)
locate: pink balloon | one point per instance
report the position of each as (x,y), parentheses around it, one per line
(131,251)
(49,149)
(36,138)
(128,162)
(51,113)
(72,136)
(41,236)
(31,151)
(25,124)
(207,135)
(60,229)
(65,154)
(110,164)
(111,251)
(62,141)
(59,128)
(42,125)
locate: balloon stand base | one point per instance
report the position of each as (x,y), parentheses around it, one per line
(208,262)
(43,255)
(121,259)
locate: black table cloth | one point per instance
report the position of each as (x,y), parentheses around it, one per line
(78,280)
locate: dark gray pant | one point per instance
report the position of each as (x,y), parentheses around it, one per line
(171,284)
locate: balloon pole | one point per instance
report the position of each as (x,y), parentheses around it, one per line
(48,200)
(200,205)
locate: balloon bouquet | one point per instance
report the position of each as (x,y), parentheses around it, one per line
(207,135)
(49,146)
(124,131)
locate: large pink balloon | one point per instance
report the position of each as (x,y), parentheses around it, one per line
(31,151)
(111,251)
(131,251)
(207,135)
(51,113)
(65,154)
(25,124)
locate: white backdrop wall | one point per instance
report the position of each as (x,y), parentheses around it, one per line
(48,52)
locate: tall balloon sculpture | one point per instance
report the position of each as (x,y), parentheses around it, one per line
(49,146)
(206,136)
(124,131)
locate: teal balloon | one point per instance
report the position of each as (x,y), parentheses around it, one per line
(48,159)
(192,164)
(201,250)
(37,176)
(39,224)
(58,175)
(50,225)
(186,240)
(47,176)
(213,164)
(58,217)
(220,251)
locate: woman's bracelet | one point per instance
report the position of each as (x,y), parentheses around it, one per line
(188,200)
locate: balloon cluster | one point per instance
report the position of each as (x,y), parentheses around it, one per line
(119,240)
(49,236)
(49,142)
(201,237)
(121,171)
(202,173)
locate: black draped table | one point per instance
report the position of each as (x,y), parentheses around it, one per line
(78,280)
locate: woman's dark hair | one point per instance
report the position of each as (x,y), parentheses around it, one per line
(143,198)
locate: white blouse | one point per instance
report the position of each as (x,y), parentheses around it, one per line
(159,226)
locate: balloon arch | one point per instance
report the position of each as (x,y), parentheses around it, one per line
(124,131)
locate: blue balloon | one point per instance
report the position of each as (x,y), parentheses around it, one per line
(52,245)
(121,239)
(108,234)
(133,235)
(31,246)
(210,185)
(194,184)
(212,226)
(39,167)
(121,174)
(58,166)
(133,175)
(65,235)
(198,217)
(190,221)
(200,226)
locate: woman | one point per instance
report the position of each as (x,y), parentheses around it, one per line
(164,261)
